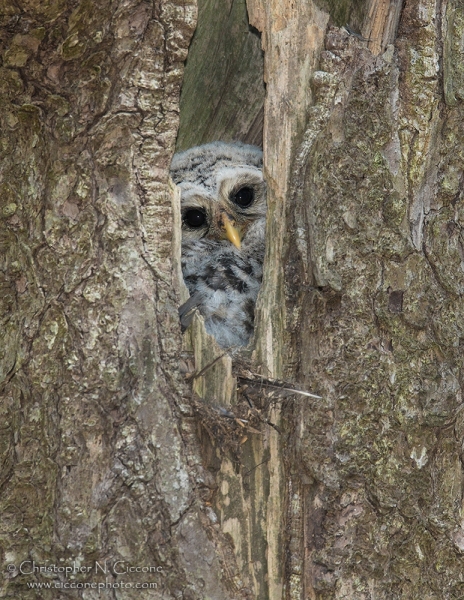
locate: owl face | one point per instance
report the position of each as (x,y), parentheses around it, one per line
(222,194)
(223,205)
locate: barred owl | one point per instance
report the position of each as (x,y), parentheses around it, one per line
(223,206)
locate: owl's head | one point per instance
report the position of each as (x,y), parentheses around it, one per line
(223,192)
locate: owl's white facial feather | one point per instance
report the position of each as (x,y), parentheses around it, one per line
(220,182)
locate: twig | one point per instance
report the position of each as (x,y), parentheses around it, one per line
(277,385)
(350,31)
(203,371)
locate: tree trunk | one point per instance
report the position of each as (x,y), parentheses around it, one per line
(110,459)
(99,461)
(364,143)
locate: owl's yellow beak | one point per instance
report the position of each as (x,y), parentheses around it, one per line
(232,233)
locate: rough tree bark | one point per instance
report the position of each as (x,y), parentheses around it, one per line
(364,156)
(106,453)
(98,459)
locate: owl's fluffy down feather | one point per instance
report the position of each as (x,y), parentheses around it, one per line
(223,280)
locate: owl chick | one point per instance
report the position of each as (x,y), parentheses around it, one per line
(223,206)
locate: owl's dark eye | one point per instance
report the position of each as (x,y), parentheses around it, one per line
(194,217)
(244,197)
